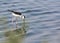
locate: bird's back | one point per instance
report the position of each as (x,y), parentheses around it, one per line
(18,13)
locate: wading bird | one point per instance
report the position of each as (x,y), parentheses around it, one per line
(17,14)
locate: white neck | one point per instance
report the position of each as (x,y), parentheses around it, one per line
(22,17)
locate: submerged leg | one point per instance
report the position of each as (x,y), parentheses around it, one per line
(23,26)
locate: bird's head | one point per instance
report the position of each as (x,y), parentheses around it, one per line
(22,17)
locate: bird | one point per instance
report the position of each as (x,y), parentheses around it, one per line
(17,14)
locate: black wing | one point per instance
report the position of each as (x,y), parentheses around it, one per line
(15,12)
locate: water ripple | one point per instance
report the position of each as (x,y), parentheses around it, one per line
(43,16)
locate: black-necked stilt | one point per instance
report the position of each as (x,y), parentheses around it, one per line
(17,14)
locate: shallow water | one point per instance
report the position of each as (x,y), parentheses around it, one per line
(43,17)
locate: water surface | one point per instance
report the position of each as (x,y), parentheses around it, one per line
(43,17)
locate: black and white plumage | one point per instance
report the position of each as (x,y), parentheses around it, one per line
(17,14)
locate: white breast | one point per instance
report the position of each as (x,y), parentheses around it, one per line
(21,16)
(15,14)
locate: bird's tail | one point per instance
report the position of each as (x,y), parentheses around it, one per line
(11,10)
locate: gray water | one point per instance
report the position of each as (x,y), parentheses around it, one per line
(43,17)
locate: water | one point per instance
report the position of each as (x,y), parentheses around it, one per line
(43,17)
